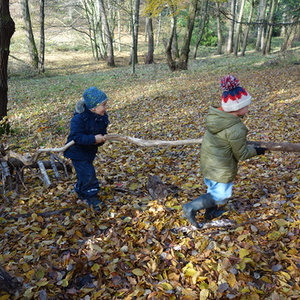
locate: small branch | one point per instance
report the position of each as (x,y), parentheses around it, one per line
(62,149)
(44,173)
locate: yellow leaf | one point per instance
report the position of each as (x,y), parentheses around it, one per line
(133,186)
(231,280)
(243,253)
(5,297)
(30,274)
(190,272)
(166,286)
(44,232)
(95,267)
(281,222)
(274,236)
(204,294)
(138,272)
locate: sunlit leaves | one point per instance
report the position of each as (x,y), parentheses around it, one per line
(130,250)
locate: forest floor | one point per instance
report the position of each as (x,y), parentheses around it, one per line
(138,247)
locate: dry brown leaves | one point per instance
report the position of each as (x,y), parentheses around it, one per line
(130,250)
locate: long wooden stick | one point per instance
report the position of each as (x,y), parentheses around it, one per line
(273,146)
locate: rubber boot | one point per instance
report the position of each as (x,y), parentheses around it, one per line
(190,209)
(213,212)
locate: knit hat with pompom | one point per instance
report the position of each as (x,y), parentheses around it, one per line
(234,97)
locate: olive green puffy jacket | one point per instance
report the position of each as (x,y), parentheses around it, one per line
(224,144)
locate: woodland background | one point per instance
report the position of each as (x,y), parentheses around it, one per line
(140,247)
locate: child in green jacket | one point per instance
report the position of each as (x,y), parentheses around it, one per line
(224,144)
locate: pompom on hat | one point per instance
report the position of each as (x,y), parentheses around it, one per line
(93,97)
(234,97)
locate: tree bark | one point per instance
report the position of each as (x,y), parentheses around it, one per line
(108,35)
(33,53)
(239,28)
(247,29)
(150,57)
(267,45)
(184,55)
(7,29)
(41,65)
(231,27)
(260,19)
(204,17)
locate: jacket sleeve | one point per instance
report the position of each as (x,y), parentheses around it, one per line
(78,133)
(238,141)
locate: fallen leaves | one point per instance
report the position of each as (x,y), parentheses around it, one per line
(143,248)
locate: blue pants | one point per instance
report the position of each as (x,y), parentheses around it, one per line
(87,184)
(218,190)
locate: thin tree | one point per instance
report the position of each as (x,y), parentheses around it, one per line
(239,28)
(202,23)
(184,55)
(231,27)
(134,23)
(41,65)
(33,52)
(270,27)
(108,35)
(247,29)
(261,20)
(7,29)
(150,54)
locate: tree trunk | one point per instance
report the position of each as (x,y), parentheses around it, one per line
(7,29)
(41,66)
(267,45)
(261,19)
(33,53)
(248,29)
(231,28)
(150,57)
(204,16)
(239,28)
(184,55)
(219,30)
(289,34)
(135,31)
(171,62)
(108,35)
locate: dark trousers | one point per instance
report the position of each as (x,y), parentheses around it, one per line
(87,184)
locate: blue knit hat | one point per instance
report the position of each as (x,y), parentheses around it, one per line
(93,97)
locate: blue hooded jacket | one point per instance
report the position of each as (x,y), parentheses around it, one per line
(84,126)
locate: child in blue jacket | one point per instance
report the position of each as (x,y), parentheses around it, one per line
(87,129)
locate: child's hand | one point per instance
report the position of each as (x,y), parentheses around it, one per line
(99,138)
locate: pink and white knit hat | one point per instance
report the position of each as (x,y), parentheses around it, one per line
(234,97)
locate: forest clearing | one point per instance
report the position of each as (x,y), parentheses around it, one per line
(139,247)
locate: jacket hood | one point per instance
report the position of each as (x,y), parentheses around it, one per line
(218,120)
